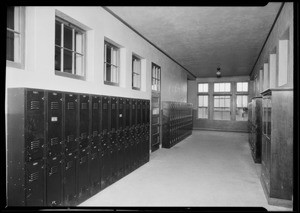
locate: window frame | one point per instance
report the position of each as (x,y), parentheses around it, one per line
(230,107)
(135,73)
(74,27)
(117,65)
(158,79)
(21,32)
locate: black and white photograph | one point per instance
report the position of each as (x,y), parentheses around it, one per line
(151,107)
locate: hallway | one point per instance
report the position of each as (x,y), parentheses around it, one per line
(207,169)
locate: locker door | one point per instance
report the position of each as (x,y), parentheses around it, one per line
(70,122)
(127,151)
(83,175)
(133,133)
(54,181)
(69,186)
(139,131)
(113,139)
(120,139)
(35,187)
(84,121)
(34,124)
(94,172)
(54,120)
(95,124)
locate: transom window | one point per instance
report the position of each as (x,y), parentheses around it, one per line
(111,64)
(242,107)
(69,48)
(221,87)
(222,107)
(202,106)
(15,36)
(155,77)
(136,73)
(203,87)
(242,86)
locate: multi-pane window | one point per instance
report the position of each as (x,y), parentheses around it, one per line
(202,106)
(155,77)
(242,86)
(221,87)
(111,64)
(13,34)
(136,73)
(203,87)
(222,107)
(69,48)
(242,107)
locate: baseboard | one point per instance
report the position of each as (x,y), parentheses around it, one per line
(220,130)
(275,201)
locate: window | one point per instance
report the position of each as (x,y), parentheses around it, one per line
(15,36)
(69,49)
(242,86)
(202,106)
(155,77)
(283,59)
(242,107)
(221,87)
(136,73)
(203,87)
(111,64)
(222,107)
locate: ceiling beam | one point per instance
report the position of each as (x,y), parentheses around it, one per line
(120,19)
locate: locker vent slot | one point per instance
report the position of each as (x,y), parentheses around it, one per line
(95,106)
(83,135)
(105,106)
(34,105)
(83,160)
(120,106)
(34,144)
(113,106)
(84,105)
(71,105)
(70,138)
(54,105)
(33,176)
(95,133)
(54,141)
(69,165)
(53,170)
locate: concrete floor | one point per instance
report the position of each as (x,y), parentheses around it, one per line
(208,168)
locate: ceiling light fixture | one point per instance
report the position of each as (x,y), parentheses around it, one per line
(218,73)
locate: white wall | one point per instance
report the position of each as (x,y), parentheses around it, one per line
(39,56)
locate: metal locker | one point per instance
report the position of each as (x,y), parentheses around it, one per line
(120,138)
(134,148)
(34,185)
(54,181)
(105,160)
(70,122)
(113,138)
(84,134)
(127,147)
(94,169)
(34,124)
(70,179)
(95,121)
(55,122)
(83,175)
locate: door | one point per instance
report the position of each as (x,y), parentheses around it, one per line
(155,108)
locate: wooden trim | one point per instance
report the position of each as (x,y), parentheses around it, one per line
(69,75)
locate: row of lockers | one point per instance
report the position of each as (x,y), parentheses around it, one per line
(255,127)
(64,147)
(177,122)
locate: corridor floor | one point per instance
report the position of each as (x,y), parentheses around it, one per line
(208,168)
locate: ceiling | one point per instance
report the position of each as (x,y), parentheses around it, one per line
(203,38)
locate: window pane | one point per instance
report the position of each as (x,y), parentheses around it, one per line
(205,88)
(227,87)
(216,87)
(67,61)
(227,101)
(216,101)
(239,87)
(206,100)
(226,114)
(114,74)
(245,86)
(78,42)
(239,101)
(78,64)
(67,37)
(108,72)
(10,46)
(245,101)
(202,112)
(10,18)
(108,54)
(200,87)
(57,33)
(57,58)
(114,57)
(222,87)
(200,100)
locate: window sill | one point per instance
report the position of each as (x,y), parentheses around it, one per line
(136,88)
(111,83)
(13,64)
(65,74)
